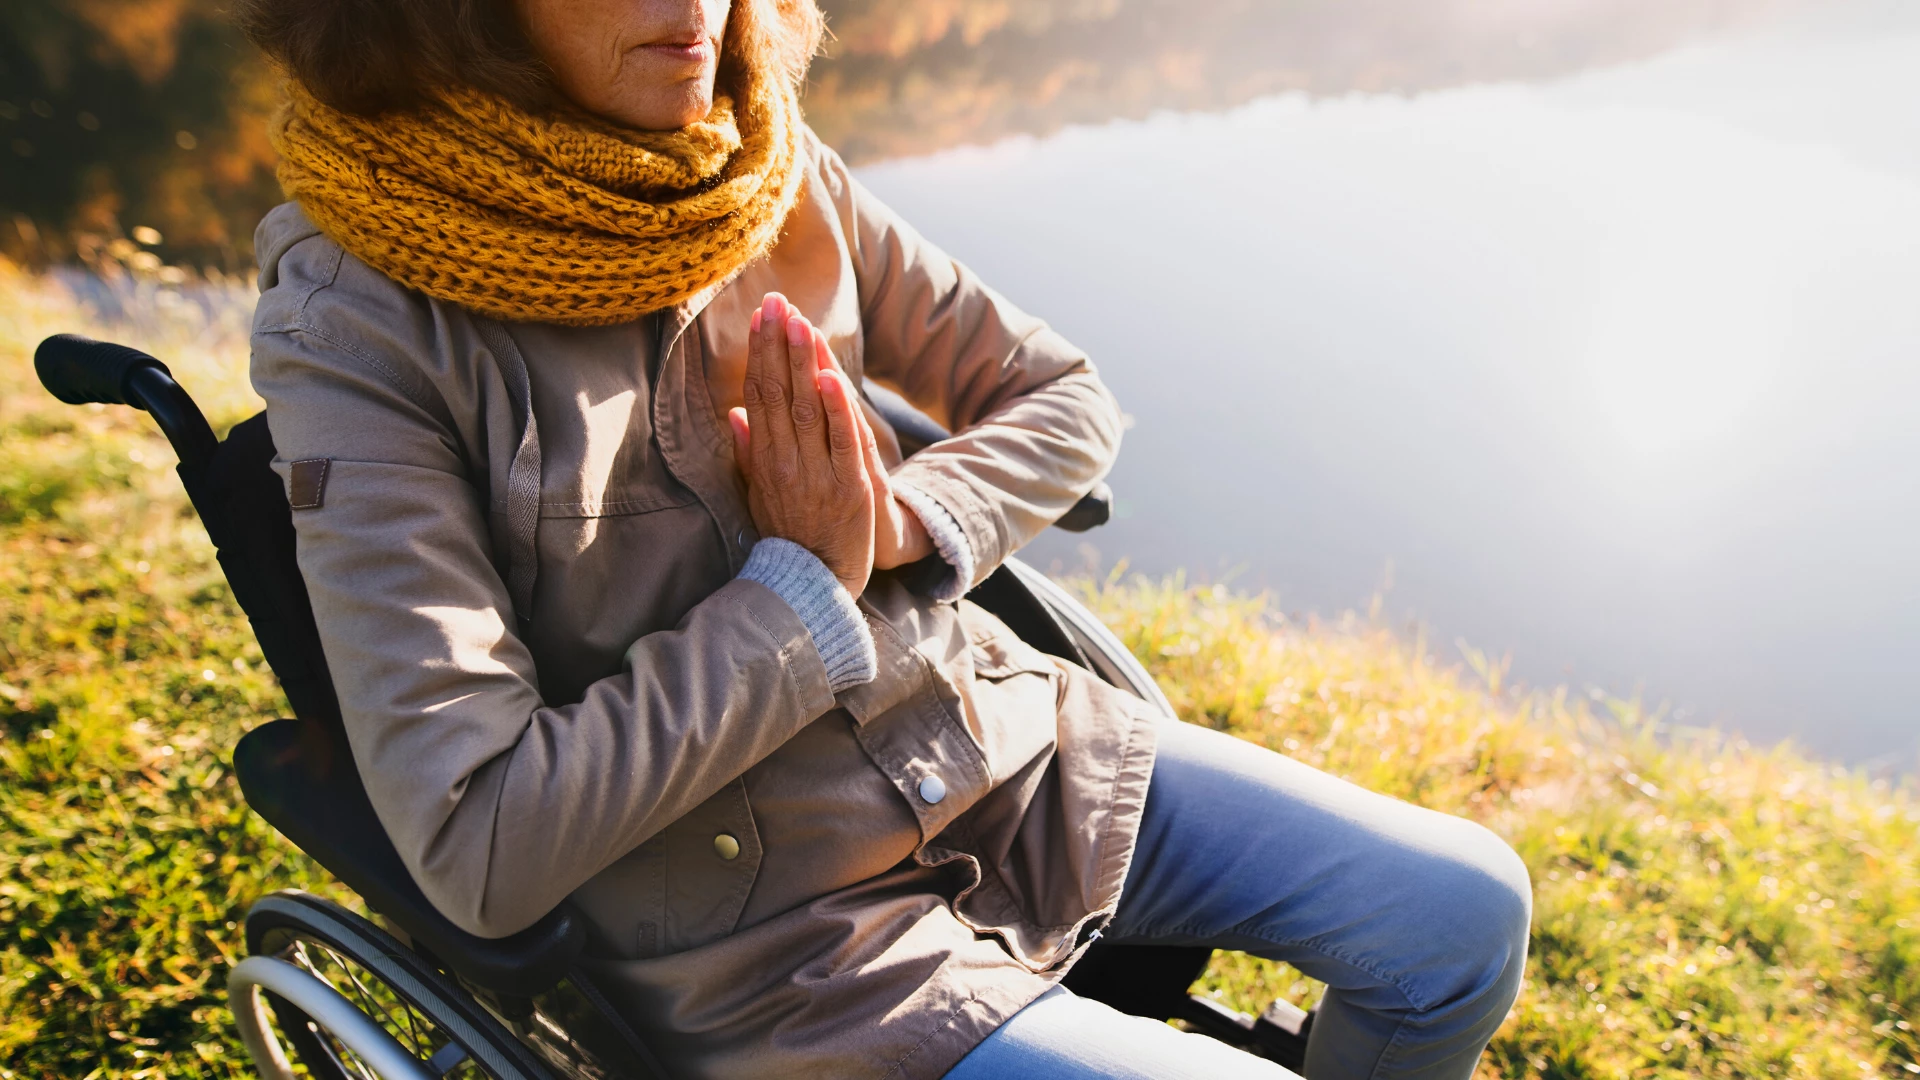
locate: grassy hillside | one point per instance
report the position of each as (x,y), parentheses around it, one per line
(1704,908)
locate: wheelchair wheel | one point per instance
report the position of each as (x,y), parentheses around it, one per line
(352,1003)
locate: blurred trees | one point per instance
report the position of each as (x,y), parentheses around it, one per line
(909,76)
(118,114)
(123,113)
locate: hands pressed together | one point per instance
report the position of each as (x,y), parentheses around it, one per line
(812,466)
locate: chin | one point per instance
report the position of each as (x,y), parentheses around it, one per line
(668,109)
(695,110)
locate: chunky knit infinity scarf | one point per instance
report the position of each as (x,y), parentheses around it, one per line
(547,218)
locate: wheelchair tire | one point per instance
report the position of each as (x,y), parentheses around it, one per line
(418,1005)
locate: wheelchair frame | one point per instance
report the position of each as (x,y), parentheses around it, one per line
(421,998)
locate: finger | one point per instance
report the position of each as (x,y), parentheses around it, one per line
(803,347)
(870,453)
(825,366)
(775,424)
(821,353)
(742,440)
(823,358)
(843,434)
(756,404)
(833,379)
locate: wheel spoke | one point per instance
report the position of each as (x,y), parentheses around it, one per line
(403,1021)
(360,990)
(300,958)
(344,1059)
(400,1030)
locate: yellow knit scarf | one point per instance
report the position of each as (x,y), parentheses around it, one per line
(547,218)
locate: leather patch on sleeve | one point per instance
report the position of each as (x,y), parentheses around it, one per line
(309,483)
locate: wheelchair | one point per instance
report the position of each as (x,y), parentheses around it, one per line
(413,996)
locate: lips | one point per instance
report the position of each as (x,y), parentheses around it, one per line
(693,52)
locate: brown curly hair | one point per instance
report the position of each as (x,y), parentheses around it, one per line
(367,57)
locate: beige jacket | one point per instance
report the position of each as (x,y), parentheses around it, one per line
(654,701)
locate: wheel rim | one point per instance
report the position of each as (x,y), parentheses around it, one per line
(326,1057)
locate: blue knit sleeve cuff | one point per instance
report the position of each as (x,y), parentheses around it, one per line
(948,540)
(838,628)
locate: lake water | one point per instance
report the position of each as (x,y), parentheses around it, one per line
(1617,372)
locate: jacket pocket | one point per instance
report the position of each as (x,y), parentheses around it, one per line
(678,890)
(1002,656)
(996,652)
(712,856)
(1013,701)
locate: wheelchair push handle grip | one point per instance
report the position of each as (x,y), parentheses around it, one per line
(80,371)
(1094,509)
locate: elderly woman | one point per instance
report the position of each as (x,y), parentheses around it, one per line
(630,602)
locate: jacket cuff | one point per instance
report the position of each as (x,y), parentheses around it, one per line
(839,631)
(949,540)
(980,522)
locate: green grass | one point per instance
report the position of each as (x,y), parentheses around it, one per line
(1704,908)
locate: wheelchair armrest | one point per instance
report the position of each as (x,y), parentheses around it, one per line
(302,781)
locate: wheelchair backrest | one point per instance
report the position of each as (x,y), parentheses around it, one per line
(244,507)
(302,778)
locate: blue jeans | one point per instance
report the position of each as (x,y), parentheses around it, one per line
(1416,921)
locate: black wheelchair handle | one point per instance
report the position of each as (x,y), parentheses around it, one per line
(81,371)
(1094,509)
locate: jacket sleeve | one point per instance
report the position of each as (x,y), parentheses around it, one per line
(499,804)
(1034,427)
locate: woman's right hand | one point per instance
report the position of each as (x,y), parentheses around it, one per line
(800,446)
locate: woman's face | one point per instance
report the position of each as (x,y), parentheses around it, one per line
(646,64)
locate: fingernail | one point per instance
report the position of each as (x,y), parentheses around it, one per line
(771,305)
(828,385)
(797,331)
(755,321)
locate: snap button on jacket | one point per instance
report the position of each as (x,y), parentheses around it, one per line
(779,882)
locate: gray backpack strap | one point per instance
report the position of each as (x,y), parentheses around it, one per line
(523,477)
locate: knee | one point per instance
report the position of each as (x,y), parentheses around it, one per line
(1507,889)
(1486,900)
